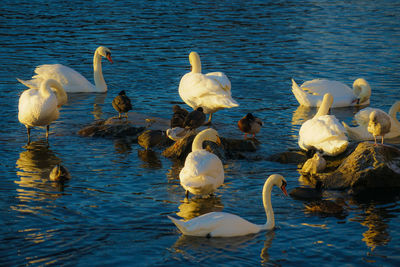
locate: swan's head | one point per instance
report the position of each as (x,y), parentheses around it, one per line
(279,181)
(59,174)
(362,90)
(104,52)
(195,62)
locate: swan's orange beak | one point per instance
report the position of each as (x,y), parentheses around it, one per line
(108,56)
(283,188)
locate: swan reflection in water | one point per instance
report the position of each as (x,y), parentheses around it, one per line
(199,206)
(79,101)
(35,165)
(200,249)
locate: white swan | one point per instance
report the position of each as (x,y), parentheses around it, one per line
(71,80)
(361,133)
(312,92)
(211,91)
(222,224)
(203,172)
(40,107)
(323,132)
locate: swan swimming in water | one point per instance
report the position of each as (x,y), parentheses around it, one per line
(362,118)
(222,224)
(312,92)
(203,172)
(71,80)
(323,132)
(40,107)
(211,91)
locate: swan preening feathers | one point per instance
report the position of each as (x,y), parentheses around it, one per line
(312,92)
(323,132)
(71,80)
(222,224)
(211,91)
(40,107)
(203,172)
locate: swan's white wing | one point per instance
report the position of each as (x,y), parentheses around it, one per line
(216,224)
(323,133)
(203,172)
(71,80)
(211,92)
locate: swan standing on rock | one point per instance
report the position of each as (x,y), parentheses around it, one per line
(211,91)
(362,118)
(71,80)
(323,132)
(311,93)
(40,107)
(379,124)
(222,224)
(203,172)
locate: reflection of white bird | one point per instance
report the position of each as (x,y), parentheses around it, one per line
(323,131)
(379,124)
(362,118)
(314,165)
(211,91)
(312,92)
(222,224)
(203,172)
(71,80)
(39,107)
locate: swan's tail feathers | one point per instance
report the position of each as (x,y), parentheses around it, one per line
(34,83)
(228,103)
(179,224)
(300,95)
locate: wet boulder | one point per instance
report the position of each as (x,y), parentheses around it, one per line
(367,168)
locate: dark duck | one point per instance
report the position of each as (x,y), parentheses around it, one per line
(122,104)
(250,124)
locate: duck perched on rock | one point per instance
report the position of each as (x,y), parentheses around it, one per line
(122,104)
(179,116)
(59,174)
(250,124)
(379,124)
(195,119)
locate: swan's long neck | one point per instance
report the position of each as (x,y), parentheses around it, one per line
(60,93)
(198,142)
(195,62)
(325,105)
(393,111)
(45,87)
(362,90)
(267,189)
(99,81)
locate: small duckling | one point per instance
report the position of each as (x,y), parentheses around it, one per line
(122,104)
(313,165)
(195,119)
(178,118)
(250,125)
(379,124)
(151,138)
(325,206)
(59,174)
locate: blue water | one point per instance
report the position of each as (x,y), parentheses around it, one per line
(114,210)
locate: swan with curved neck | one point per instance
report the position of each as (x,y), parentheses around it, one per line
(362,118)
(40,107)
(211,91)
(311,92)
(71,80)
(203,172)
(323,132)
(222,224)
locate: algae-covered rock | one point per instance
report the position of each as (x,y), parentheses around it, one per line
(367,167)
